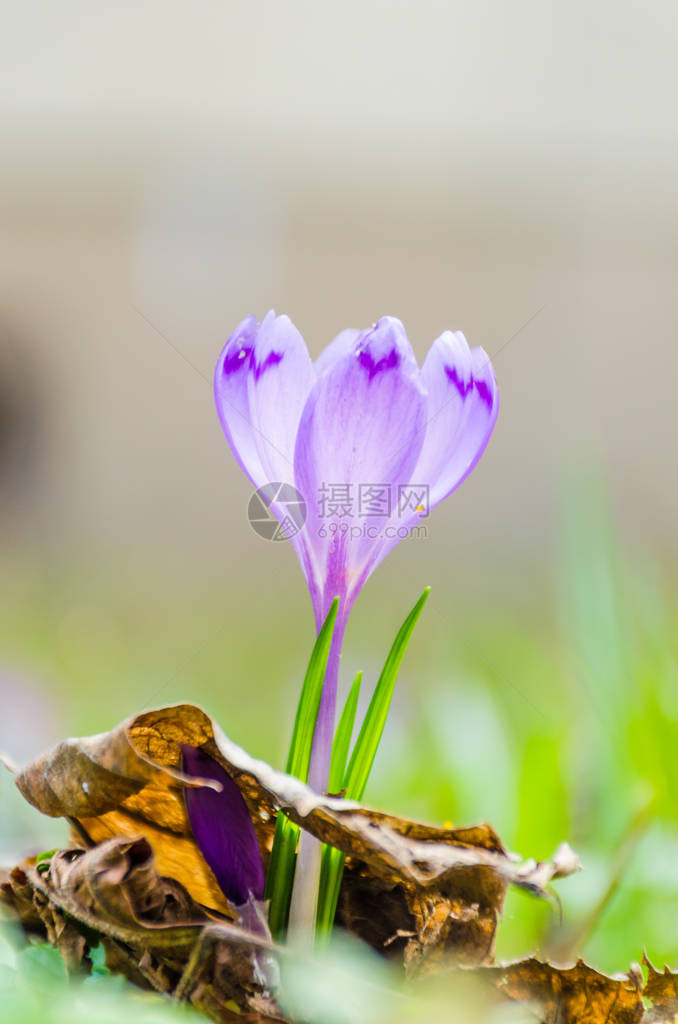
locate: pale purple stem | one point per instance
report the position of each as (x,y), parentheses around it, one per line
(321,752)
(253,917)
(304,901)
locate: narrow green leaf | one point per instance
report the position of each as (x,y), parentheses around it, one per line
(299,756)
(366,745)
(284,852)
(281,873)
(331,873)
(342,737)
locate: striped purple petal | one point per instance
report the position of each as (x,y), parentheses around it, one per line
(261,382)
(280,377)
(358,431)
(232,398)
(363,415)
(362,425)
(462,409)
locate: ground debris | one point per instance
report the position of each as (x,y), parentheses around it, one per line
(427,897)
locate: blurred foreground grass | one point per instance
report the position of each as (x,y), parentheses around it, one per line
(344,984)
(559,721)
(34,989)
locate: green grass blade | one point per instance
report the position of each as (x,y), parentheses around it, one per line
(281,873)
(331,873)
(284,852)
(342,737)
(366,745)
(299,756)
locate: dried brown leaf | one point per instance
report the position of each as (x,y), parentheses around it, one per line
(152,930)
(446,886)
(431,896)
(211,964)
(571,995)
(661,988)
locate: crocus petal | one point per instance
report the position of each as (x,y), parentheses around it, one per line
(232,399)
(261,381)
(337,348)
(463,404)
(362,425)
(280,376)
(223,829)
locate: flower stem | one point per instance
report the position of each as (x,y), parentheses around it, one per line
(304,902)
(321,751)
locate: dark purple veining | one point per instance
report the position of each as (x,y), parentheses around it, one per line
(462,387)
(236,358)
(244,355)
(272,359)
(484,392)
(481,386)
(375,366)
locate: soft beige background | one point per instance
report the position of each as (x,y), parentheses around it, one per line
(509,170)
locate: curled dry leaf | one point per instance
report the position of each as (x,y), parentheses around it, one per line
(572,995)
(427,895)
(424,895)
(154,933)
(582,995)
(409,888)
(662,991)
(151,928)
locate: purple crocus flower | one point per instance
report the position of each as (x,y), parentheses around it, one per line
(223,829)
(371,440)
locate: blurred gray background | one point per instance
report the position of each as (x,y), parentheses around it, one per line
(507,170)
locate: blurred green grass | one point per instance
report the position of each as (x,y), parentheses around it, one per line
(35,989)
(558,722)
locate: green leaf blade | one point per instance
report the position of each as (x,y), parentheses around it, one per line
(365,749)
(281,873)
(299,756)
(331,874)
(342,737)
